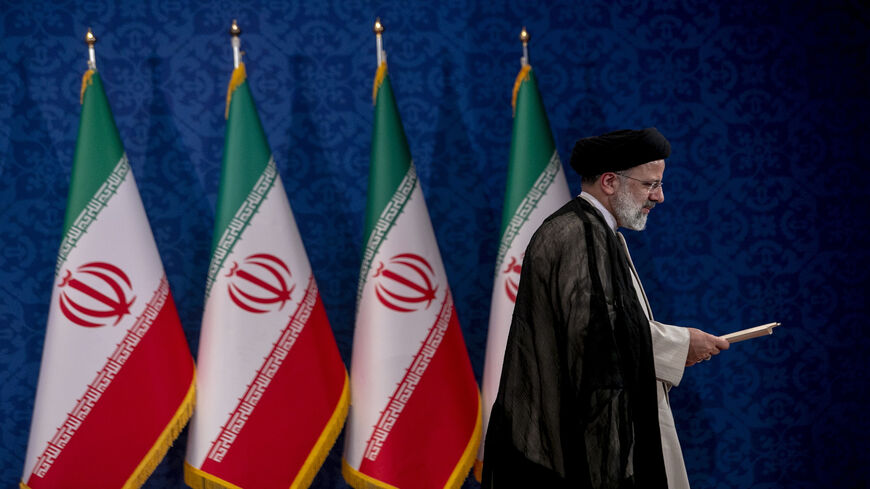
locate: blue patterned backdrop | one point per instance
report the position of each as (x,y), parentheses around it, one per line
(764,102)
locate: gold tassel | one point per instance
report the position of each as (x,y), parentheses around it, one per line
(239,77)
(86,81)
(379,79)
(521,77)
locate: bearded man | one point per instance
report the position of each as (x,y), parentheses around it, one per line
(583,397)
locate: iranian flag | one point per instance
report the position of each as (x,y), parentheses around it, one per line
(536,187)
(116,383)
(415,419)
(272,389)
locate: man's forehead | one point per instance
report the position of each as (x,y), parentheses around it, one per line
(651,168)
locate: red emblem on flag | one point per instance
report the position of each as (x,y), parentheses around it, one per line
(512,282)
(261,284)
(98,291)
(405,283)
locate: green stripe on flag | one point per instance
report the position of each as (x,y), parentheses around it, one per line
(89,214)
(98,149)
(246,157)
(390,157)
(225,243)
(532,148)
(526,206)
(383,225)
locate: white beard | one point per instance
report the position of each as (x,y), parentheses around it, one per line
(629,213)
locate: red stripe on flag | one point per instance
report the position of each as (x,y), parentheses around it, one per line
(436,424)
(290,416)
(130,415)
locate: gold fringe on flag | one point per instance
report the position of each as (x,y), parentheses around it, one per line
(327,438)
(86,82)
(379,79)
(239,77)
(478,470)
(469,455)
(521,77)
(154,456)
(165,440)
(195,477)
(358,480)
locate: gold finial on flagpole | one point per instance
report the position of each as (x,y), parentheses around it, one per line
(524,37)
(381,72)
(238,76)
(379,30)
(91,39)
(235,32)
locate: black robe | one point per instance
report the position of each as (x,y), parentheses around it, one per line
(576,405)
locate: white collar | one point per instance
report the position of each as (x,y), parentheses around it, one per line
(611,221)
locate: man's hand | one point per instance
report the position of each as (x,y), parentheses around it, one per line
(702,346)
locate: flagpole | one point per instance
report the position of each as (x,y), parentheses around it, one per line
(235,32)
(524,37)
(379,29)
(91,39)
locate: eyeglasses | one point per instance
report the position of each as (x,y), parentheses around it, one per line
(651,186)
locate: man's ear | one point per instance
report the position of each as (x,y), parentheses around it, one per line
(609,183)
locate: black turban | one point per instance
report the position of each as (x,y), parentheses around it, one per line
(618,150)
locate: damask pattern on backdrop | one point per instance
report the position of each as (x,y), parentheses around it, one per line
(764,103)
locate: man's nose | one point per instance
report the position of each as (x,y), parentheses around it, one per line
(658,196)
